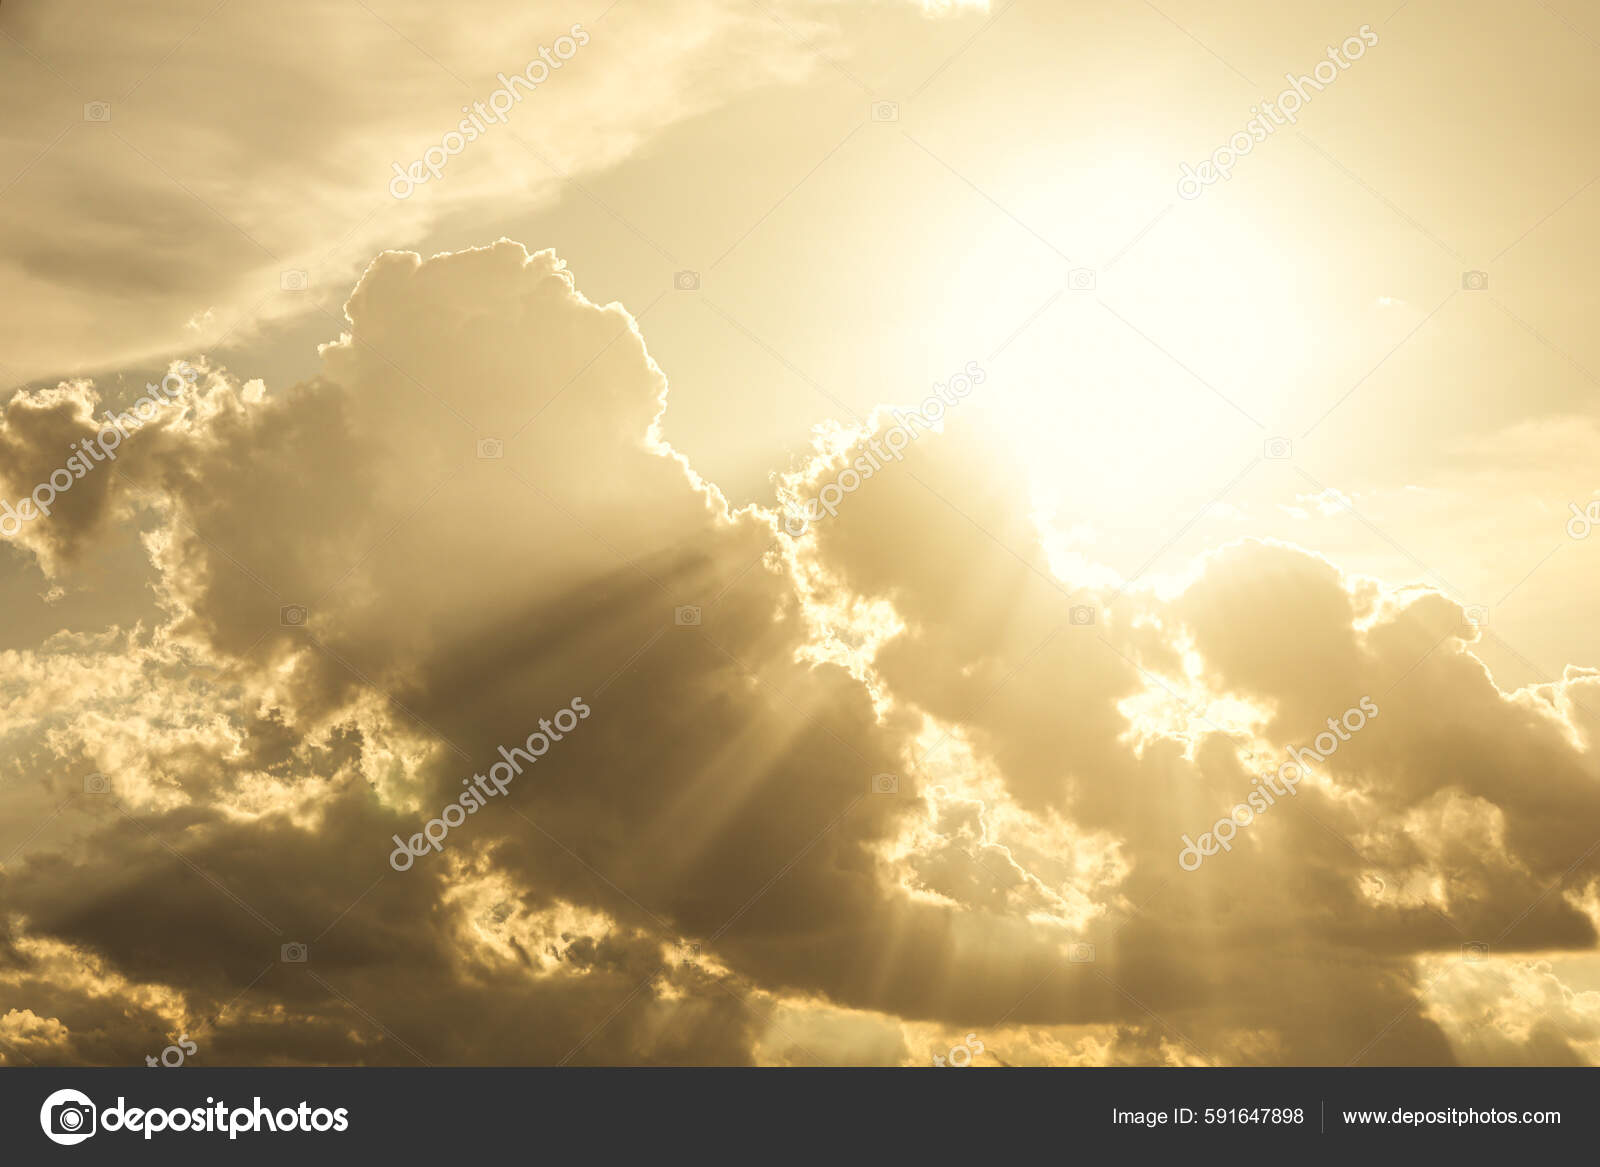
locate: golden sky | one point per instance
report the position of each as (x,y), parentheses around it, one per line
(799,532)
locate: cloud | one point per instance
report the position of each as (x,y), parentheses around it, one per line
(190,212)
(357,602)
(162,221)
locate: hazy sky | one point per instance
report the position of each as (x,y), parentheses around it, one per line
(1262,339)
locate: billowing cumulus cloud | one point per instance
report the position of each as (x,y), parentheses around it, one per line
(844,797)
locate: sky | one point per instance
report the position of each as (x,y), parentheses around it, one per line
(799,532)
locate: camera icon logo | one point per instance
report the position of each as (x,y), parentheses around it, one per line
(96,783)
(885,111)
(292,616)
(1081,954)
(1475,952)
(885,784)
(1081,279)
(686,616)
(1475,616)
(1475,281)
(67,1117)
(1081,614)
(293,953)
(294,280)
(1277,449)
(97,111)
(686,281)
(795,523)
(490,448)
